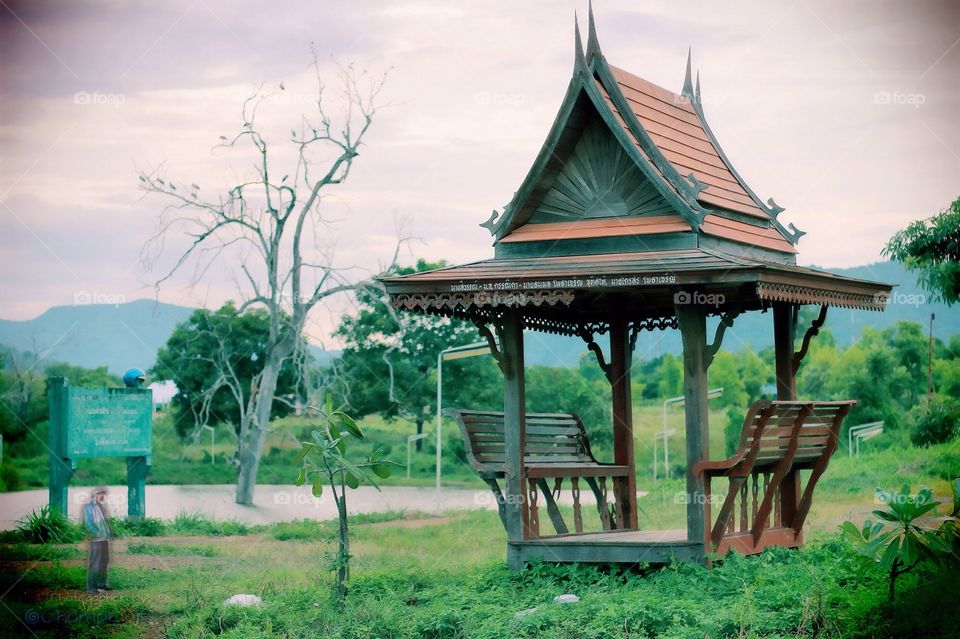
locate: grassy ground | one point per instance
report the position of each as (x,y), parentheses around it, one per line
(177,462)
(419,576)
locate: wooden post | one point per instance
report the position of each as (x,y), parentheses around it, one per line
(625,488)
(693,332)
(514,425)
(784,333)
(61,469)
(137,469)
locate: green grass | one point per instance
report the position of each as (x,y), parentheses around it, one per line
(157,549)
(445,577)
(178,462)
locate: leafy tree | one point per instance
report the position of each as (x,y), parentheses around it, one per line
(671,376)
(931,248)
(323,459)
(583,390)
(755,374)
(23,389)
(910,350)
(732,429)
(880,387)
(215,358)
(905,535)
(936,421)
(389,360)
(725,373)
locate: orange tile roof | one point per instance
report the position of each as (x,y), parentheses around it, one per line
(675,128)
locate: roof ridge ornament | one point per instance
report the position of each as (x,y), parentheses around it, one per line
(579,60)
(593,42)
(491,223)
(696,91)
(687,90)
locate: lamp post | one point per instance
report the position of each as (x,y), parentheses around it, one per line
(449,354)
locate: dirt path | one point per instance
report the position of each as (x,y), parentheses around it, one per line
(271,503)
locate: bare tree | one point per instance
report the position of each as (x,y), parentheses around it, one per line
(275,226)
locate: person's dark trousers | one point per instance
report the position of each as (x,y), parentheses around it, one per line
(97,565)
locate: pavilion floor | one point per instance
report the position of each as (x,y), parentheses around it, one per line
(626,546)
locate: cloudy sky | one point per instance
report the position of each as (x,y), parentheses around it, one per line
(846,115)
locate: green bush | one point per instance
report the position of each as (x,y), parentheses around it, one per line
(936,421)
(171,549)
(46,526)
(10,478)
(138,527)
(199,524)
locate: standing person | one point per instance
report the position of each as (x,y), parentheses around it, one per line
(95,521)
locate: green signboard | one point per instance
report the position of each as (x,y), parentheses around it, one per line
(99,422)
(107,422)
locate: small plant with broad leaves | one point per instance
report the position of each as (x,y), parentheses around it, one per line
(906,533)
(323,460)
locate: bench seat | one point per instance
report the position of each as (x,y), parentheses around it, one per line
(556,447)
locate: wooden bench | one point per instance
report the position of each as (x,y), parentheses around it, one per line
(556,448)
(778,440)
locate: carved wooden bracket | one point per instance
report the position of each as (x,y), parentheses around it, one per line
(812,332)
(634,334)
(487,334)
(586,334)
(726,321)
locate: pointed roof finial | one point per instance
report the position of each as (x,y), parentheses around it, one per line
(579,62)
(593,43)
(688,80)
(696,91)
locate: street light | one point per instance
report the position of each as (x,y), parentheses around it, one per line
(665,434)
(449,354)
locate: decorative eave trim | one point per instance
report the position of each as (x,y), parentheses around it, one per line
(798,294)
(481,299)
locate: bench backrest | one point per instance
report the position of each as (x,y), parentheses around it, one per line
(816,424)
(551,438)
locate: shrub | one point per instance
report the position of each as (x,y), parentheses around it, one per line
(199,524)
(171,549)
(138,527)
(46,526)
(937,421)
(10,478)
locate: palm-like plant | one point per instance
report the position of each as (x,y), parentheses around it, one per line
(906,534)
(324,460)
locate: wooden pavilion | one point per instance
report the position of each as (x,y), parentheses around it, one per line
(632,218)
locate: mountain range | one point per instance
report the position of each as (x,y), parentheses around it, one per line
(121,336)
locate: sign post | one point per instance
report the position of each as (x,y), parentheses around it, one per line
(99,422)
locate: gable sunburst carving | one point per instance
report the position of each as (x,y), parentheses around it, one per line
(598,180)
